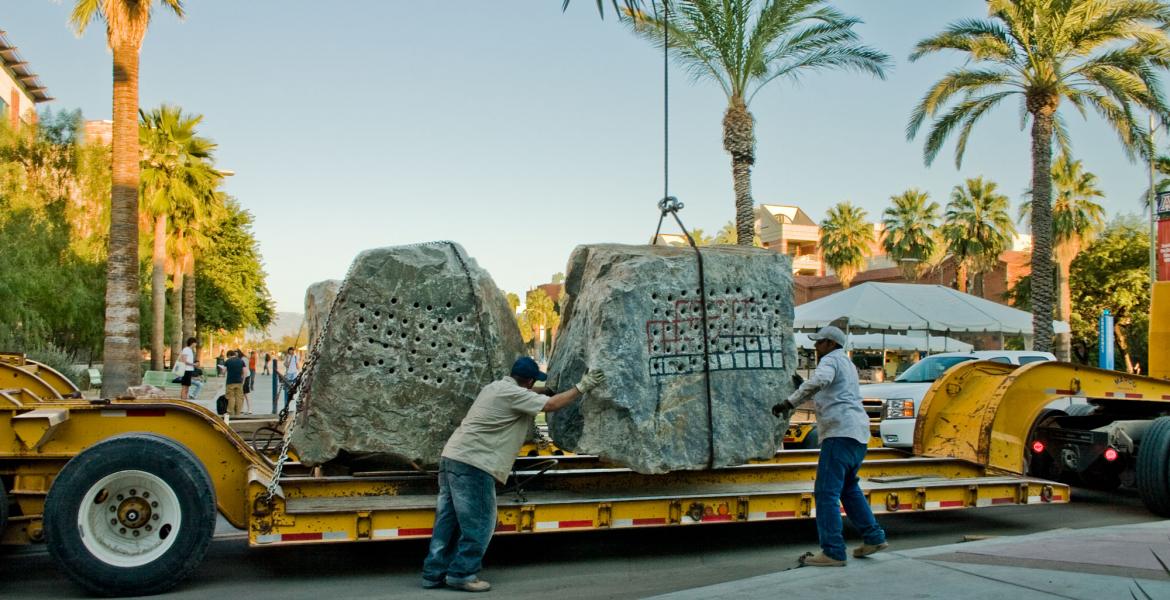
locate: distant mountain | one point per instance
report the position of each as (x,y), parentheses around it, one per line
(285,324)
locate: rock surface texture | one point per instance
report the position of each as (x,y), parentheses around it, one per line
(415,333)
(318,298)
(635,313)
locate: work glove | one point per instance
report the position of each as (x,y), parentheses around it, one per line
(783,410)
(590,380)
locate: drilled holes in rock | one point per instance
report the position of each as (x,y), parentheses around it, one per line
(394,301)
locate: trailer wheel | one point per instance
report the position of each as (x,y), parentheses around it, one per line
(1153,467)
(131,515)
(1041,465)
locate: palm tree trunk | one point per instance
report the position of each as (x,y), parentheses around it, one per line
(158,294)
(1063,347)
(961,276)
(120,351)
(739,141)
(177,312)
(189,296)
(1042,279)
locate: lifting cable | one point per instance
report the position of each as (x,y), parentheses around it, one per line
(670,204)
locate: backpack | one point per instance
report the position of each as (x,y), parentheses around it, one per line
(221,405)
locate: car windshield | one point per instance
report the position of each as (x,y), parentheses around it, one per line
(930,368)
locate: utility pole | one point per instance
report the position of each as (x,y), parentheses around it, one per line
(1153,209)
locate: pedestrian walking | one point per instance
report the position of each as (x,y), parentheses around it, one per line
(266,361)
(844,432)
(187,369)
(234,367)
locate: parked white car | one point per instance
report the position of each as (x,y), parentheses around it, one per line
(896,403)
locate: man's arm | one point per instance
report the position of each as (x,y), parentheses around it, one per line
(589,381)
(821,378)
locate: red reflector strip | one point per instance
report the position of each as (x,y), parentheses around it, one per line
(1003,500)
(650,521)
(575,524)
(1166,396)
(403,532)
(1058,498)
(717,518)
(301,537)
(1127,395)
(780,514)
(950,503)
(505,528)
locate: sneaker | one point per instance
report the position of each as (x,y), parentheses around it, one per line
(867,549)
(820,560)
(431,584)
(474,585)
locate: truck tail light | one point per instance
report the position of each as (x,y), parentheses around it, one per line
(1110,454)
(1038,447)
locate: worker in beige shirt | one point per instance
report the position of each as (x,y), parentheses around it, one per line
(478,454)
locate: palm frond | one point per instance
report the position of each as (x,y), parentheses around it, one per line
(84,12)
(974,112)
(966,80)
(982,38)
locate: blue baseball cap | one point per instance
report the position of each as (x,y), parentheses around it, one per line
(526,368)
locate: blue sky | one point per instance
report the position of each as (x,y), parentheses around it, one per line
(516,129)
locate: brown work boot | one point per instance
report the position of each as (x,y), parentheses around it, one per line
(867,549)
(475,585)
(820,560)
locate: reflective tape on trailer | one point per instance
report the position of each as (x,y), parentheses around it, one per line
(943,504)
(553,525)
(772,514)
(1126,395)
(1059,392)
(646,522)
(315,536)
(982,502)
(401,532)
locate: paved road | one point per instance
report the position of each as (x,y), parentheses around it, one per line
(617,564)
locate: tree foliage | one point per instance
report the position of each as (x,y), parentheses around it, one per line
(51,282)
(845,240)
(977,228)
(908,231)
(232,293)
(1112,273)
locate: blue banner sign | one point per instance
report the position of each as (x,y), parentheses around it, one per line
(1105,340)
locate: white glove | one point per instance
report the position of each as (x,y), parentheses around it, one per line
(591,380)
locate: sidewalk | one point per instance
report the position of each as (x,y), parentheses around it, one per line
(1127,561)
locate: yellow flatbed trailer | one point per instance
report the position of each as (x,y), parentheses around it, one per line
(125,492)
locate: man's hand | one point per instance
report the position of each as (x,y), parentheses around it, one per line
(590,380)
(783,410)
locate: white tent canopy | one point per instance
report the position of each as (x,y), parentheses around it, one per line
(891,341)
(899,307)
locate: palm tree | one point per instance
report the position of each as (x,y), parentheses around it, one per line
(909,231)
(845,240)
(743,47)
(977,229)
(176,170)
(1076,220)
(1096,54)
(126,23)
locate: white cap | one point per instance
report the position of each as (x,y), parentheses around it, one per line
(829,333)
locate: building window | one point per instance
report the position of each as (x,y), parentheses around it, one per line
(3,108)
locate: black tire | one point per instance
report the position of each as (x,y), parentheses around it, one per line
(1080,410)
(171,550)
(1153,467)
(1041,465)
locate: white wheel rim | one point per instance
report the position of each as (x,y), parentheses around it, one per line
(129,518)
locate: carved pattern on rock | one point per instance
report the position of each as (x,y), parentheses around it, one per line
(415,333)
(635,312)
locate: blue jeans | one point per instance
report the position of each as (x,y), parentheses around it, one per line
(837,485)
(464,523)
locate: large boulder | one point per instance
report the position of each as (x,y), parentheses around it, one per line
(414,334)
(318,299)
(634,312)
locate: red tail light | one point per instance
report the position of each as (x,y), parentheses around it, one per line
(1110,454)
(1038,447)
